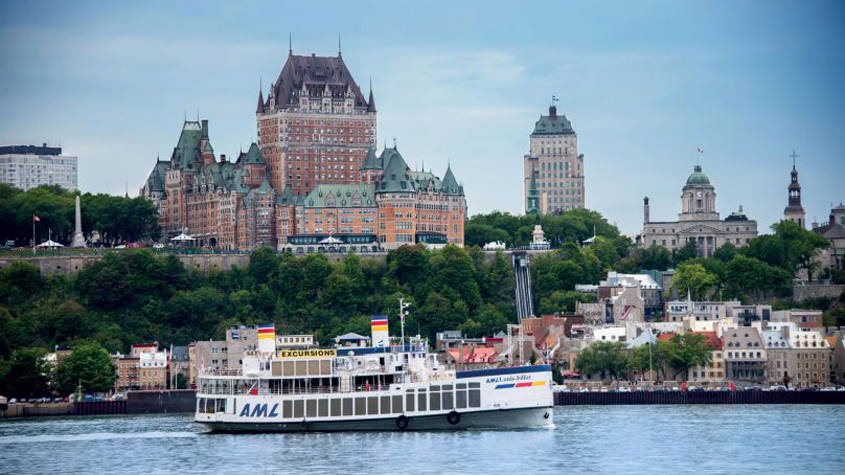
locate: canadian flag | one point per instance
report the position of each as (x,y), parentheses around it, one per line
(35,218)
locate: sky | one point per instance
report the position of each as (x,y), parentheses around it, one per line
(644,84)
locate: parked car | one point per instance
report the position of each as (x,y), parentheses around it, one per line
(623,390)
(777,387)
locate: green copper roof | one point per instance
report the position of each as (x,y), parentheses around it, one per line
(698,177)
(340,196)
(395,175)
(252,156)
(187,150)
(372,162)
(553,124)
(450,184)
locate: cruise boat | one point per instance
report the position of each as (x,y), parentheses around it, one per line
(374,388)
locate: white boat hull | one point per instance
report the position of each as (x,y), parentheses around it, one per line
(533,417)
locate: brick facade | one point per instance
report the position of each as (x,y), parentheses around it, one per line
(313,182)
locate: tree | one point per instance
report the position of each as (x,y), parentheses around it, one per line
(725,252)
(89,364)
(695,279)
(801,245)
(685,253)
(688,350)
(27,374)
(751,278)
(603,357)
(476,234)
(563,301)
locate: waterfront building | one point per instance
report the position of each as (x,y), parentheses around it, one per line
(714,371)
(745,355)
(145,367)
(594,313)
(29,166)
(698,221)
(553,170)
(650,291)
(837,365)
(312,183)
(678,310)
(153,369)
(834,231)
(778,349)
(609,333)
(802,318)
(808,359)
(179,374)
(794,211)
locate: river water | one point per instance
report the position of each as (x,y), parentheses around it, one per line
(793,439)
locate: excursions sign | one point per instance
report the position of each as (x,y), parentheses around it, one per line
(303,354)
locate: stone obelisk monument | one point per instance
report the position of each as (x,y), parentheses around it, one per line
(78,238)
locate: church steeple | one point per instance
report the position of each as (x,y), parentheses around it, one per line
(794,211)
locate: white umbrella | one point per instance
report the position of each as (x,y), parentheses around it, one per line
(49,243)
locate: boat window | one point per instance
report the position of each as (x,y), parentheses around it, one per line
(288,368)
(360,406)
(347,406)
(460,399)
(221,405)
(409,401)
(311,408)
(385,405)
(287,409)
(421,400)
(299,409)
(447,387)
(326,366)
(200,404)
(447,400)
(474,397)
(323,407)
(397,404)
(301,368)
(277,368)
(435,388)
(314,367)
(461,386)
(434,400)
(475,385)
(372,405)
(335,407)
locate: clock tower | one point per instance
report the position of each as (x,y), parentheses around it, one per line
(698,198)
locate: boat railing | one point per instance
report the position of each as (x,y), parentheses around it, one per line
(248,390)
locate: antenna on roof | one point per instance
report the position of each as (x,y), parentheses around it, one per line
(394,143)
(185,114)
(290,43)
(338,45)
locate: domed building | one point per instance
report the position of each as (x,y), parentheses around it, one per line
(698,221)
